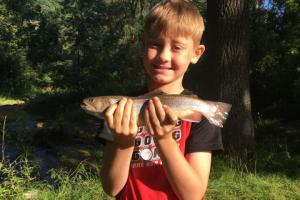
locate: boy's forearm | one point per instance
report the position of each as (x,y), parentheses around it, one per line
(115,169)
(186,183)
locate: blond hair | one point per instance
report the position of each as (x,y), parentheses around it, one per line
(179,17)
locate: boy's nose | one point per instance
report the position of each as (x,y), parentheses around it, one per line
(165,55)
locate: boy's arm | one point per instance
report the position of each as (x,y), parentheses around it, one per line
(188,176)
(122,120)
(115,169)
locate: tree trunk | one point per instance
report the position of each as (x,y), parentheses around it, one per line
(226,70)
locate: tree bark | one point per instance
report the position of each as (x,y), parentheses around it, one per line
(226,69)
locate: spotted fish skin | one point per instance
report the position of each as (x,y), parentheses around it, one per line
(186,107)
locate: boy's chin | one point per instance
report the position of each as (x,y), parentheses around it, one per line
(160,80)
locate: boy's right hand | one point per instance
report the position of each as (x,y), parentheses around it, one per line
(121,118)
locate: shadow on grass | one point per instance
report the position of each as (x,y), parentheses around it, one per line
(277,147)
(276,152)
(278,163)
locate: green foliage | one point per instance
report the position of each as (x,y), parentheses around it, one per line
(275,54)
(87,47)
(15,72)
(48,7)
(81,46)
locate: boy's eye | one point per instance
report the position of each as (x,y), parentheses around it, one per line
(177,48)
(154,44)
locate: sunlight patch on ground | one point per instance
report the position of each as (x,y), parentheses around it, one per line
(10,101)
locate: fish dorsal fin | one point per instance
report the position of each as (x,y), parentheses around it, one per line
(192,96)
(115,99)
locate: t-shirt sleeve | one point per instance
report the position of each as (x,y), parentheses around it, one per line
(204,137)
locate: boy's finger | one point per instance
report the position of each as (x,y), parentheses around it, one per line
(147,122)
(109,115)
(170,114)
(161,114)
(119,113)
(133,119)
(127,113)
(153,115)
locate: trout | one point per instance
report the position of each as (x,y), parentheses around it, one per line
(186,107)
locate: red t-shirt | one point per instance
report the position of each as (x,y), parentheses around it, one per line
(147,179)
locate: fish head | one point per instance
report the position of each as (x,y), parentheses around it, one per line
(96,105)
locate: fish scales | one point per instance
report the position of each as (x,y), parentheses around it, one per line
(187,108)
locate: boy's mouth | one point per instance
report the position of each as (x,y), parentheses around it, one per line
(161,67)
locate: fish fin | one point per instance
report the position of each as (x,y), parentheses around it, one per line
(106,133)
(191,116)
(192,96)
(217,112)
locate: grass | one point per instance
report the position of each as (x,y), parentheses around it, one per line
(80,183)
(232,185)
(230,180)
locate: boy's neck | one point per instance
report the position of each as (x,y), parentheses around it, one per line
(167,88)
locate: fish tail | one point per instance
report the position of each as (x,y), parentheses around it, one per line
(217,113)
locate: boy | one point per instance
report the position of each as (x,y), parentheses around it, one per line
(166,159)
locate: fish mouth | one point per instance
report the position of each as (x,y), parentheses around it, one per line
(90,110)
(86,107)
(83,106)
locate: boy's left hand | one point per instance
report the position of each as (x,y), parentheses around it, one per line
(160,119)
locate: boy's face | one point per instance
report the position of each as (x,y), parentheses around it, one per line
(166,58)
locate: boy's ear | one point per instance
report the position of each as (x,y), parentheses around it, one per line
(199,50)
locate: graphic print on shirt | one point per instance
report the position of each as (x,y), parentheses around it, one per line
(145,152)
